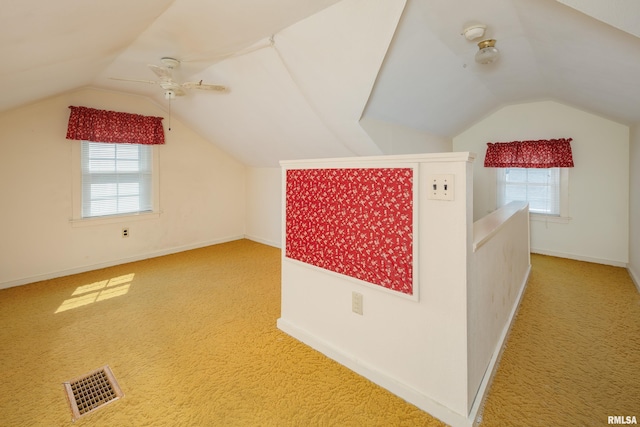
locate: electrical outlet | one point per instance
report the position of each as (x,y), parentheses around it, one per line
(125,232)
(356,303)
(441,187)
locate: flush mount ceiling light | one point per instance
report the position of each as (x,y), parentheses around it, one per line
(488,52)
(474,31)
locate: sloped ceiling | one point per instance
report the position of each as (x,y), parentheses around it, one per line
(302,73)
(431,82)
(50,47)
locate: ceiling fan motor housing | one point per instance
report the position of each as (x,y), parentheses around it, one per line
(173,87)
(170,63)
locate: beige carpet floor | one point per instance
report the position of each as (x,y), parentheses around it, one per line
(573,355)
(192,341)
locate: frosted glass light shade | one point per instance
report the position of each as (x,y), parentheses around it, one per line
(488,53)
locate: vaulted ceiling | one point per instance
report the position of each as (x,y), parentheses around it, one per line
(302,73)
(548,50)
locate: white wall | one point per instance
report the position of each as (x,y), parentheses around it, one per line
(500,268)
(264,205)
(202,194)
(396,139)
(416,349)
(598,184)
(634,205)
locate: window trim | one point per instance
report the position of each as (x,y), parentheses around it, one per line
(76,178)
(563,217)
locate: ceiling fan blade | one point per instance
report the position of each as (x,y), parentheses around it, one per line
(205,86)
(163,73)
(151,82)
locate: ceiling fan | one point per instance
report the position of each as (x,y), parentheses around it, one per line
(170,86)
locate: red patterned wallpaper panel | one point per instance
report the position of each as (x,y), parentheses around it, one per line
(357,222)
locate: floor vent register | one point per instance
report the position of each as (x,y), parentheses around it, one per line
(92,391)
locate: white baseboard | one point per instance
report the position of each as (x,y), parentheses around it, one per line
(579,257)
(634,277)
(487,379)
(402,390)
(267,242)
(111,263)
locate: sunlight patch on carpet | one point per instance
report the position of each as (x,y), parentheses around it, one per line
(97,291)
(92,391)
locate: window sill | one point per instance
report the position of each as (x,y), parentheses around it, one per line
(113,219)
(549,218)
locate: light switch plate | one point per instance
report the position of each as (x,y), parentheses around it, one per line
(441,187)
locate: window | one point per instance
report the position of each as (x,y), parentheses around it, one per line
(116,179)
(544,189)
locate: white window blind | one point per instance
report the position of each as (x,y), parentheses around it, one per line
(540,187)
(116,178)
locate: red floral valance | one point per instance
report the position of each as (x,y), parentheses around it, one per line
(548,153)
(89,124)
